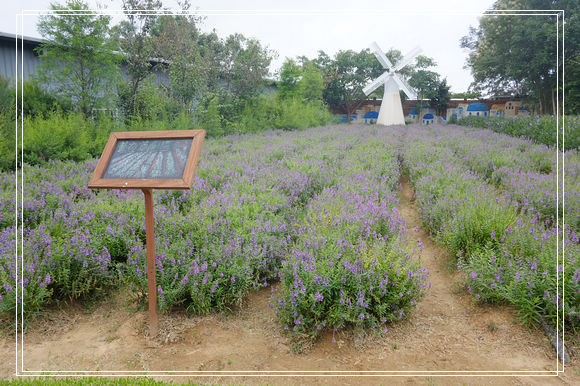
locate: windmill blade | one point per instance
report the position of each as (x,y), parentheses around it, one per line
(381,57)
(411,94)
(408,58)
(372,86)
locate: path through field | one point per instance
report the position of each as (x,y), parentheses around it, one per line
(447,332)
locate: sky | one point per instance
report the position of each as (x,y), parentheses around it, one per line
(302,27)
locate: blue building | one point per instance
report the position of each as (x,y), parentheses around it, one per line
(413,113)
(342,118)
(477,109)
(371,117)
(428,119)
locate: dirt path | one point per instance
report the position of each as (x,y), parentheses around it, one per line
(447,332)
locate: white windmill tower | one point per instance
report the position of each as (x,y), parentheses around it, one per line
(391,112)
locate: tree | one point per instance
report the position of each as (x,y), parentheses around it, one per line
(303,82)
(244,65)
(175,39)
(516,54)
(290,75)
(77,59)
(440,99)
(466,95)
(424,81)
(573,87)
(345,77)
(135,41)
(311,85)
(212,51)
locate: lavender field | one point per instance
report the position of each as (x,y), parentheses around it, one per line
(316,212)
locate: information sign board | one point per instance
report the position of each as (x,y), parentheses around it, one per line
(149,160)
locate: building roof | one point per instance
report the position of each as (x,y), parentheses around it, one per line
(371,115)
(428,116)
(413,111)
(34,41)
(477,106)
(25,39)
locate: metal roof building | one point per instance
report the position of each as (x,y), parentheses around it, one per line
(29,60)
(26,63)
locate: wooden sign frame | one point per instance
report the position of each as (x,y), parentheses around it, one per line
(99,182)
(147,185)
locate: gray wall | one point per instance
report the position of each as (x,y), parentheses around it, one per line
(30,60)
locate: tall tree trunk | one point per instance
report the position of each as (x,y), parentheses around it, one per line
(541,105)
(134,89)
(347,108)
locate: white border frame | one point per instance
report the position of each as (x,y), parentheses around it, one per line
(306,373)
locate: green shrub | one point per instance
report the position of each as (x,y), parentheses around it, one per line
(149,103)
(539,129)
(269,112)
(7,142)
(59,137)
(523,272)
(211,120)
(7,95)
(479,224)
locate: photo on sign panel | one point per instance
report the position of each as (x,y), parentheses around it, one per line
(162,158)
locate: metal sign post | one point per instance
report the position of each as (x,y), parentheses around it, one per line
(149,160)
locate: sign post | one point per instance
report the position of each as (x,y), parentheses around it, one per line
(149,160)
(151,269)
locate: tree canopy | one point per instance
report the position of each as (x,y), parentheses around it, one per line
(349,72)
(345,76)
(517,54)
(303,82)
(77,56)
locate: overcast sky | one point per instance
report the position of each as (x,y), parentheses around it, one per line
(302,27)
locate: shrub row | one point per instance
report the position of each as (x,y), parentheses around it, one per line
(235,231)
(349,264)
(229,234)
(527,172)
(506,255)
(55,135)
(540,129)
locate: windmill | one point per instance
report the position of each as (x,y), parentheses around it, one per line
(391,112)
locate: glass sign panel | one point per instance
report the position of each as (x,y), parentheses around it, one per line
(156,158)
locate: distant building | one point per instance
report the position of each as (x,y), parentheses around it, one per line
(523,112)
(371,117)
(497,110)
(428,119)
(342,118)
(477,109)
(29,61)
(26,63)
(452,113)
(458,108)
(512,108)
(462,110)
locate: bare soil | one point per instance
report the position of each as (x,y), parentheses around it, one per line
(447,332)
